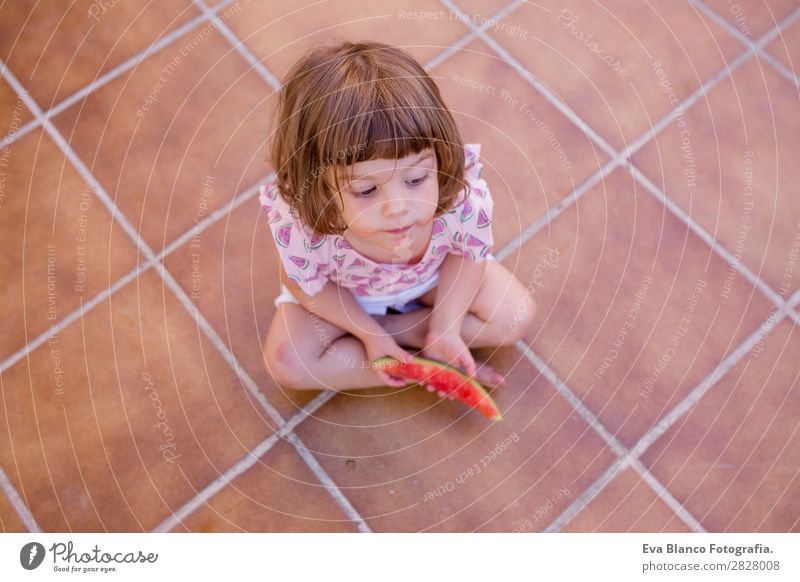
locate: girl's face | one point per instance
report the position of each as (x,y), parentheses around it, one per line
(385,195)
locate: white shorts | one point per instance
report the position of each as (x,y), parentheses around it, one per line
(404,301)
(377,305)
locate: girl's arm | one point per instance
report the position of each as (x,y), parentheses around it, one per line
(337,305)
(459,280)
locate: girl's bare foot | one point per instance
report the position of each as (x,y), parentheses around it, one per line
(487,375)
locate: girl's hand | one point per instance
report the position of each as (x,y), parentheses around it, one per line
(450,349)
(384,345)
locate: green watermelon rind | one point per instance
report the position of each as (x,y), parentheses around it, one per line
(381,363)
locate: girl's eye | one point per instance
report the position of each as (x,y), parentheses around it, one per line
(365,193)
(368,193)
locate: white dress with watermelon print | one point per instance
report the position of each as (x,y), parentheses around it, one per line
(311,259)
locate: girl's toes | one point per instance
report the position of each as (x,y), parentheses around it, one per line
(488,376)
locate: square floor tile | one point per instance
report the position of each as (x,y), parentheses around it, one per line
(230,271)
(634,309)
(600,59)
(124,416)
(9,520)
(627,504)
(61,246)
(786,47)
(176,138)
(732,168)
(13,113)
(55,49)
(733,459)
(532,154)
(281,31)
(409,461)
(279,494)
(753,18)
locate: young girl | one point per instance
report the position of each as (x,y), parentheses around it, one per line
(382,226)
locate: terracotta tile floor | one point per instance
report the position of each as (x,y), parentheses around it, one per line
(643,164)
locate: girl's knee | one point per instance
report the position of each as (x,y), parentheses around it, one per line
(284,364)
(519,318)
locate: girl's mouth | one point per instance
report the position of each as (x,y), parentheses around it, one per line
(401,230)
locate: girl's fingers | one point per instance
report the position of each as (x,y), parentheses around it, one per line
(390,380)
(468,363)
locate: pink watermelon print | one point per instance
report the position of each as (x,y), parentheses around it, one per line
(438,227)
(317,240)
(311,259)
(467,211)
(283,236)
(299,261)
(473,241)
(483,219)
(341,243)
(356,263)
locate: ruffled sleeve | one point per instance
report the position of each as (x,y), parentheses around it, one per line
(471,221)
(304,253)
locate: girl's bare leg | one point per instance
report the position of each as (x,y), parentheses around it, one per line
(341,364)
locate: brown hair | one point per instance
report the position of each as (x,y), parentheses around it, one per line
(354,102)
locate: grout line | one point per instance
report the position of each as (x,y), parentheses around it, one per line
(709,381)
(57,328)
(238,45)
(241,465)
(14,135)
(472,34)
(528,232)
(587,495)
(760,45)
(213,217)
(18,503)
(583,411)
(663,493)
(217,342)
(616,446)
(115,72)
(329,484)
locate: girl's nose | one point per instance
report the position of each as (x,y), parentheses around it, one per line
(396,204)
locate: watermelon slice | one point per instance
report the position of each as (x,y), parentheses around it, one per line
(442,377)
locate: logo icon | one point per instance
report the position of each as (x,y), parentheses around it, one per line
(31,555)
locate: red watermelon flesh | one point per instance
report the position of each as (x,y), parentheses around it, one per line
(452,381)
